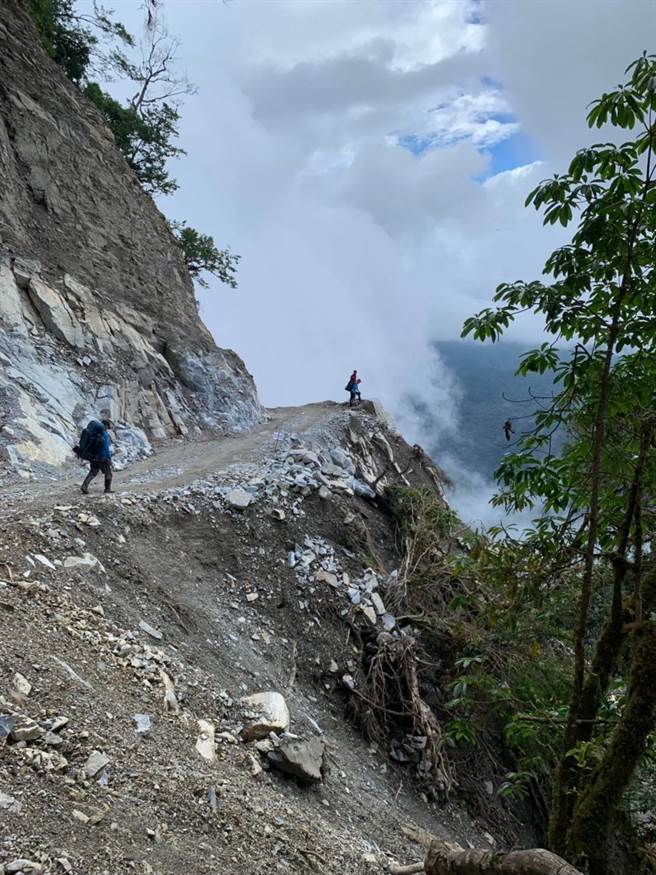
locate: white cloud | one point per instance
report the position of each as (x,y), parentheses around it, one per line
(355,252)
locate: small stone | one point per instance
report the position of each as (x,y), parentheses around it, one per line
(333,668)
(22,865)
(80,815)
(99,610)
(327,577)
(239,498)
(253,766)
(378,604)
(58,723)
(324,492)
(205,742)
(45,561)
(84,561)
(369,613)
(150,630)
(89,520)
(278,513)
(252,596)
(9,803)
(142,724)
(489,788)
(25,729)
(52,739)
(7,722)
(64,864)
(95,763)
(21,684)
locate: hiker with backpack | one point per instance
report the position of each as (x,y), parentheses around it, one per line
(353,387)
(95,447)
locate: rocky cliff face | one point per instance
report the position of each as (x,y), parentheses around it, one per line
(97,310)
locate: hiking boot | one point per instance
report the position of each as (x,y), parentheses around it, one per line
(84,490)
(109,491)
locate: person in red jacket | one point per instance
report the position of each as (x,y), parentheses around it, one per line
(353,387)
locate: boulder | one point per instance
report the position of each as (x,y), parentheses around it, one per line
(303,760)
(272,715)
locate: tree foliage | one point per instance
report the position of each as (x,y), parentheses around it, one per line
(144,137)
(202,256)
(75,41)
(595,521)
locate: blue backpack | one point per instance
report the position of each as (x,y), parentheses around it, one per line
(91,442)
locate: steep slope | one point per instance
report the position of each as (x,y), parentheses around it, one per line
(97,310)
(173,600)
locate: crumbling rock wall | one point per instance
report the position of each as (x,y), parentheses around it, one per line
(96,305)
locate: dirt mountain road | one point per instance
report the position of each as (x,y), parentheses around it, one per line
(179,462)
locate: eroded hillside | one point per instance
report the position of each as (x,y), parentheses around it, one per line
(245,565)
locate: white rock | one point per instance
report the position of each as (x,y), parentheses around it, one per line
(22,865)
(26,729)
(239,498)
(205,742)
(150,630)
(95,763)
(252,596)
(55,313)
(21,684)
(9,803)
(44,561)
(84,561)
(369,613)
(327,577)
(378,604)
(272,715)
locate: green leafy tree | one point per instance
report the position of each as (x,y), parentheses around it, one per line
(600,299)
(202,256)
(143,137)
(75,41)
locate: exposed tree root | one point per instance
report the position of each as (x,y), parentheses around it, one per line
(395,707)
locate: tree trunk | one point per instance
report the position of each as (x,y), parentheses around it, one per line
(599,800)
(445,858)
(564,781)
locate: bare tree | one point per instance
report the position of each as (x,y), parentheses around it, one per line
(155,73)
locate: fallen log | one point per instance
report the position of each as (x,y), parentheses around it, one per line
(448,858)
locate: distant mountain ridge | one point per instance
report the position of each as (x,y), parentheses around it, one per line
(491,393)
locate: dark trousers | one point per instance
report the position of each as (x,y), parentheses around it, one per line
(94,469)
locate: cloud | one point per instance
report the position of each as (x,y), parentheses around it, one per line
(355,251)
